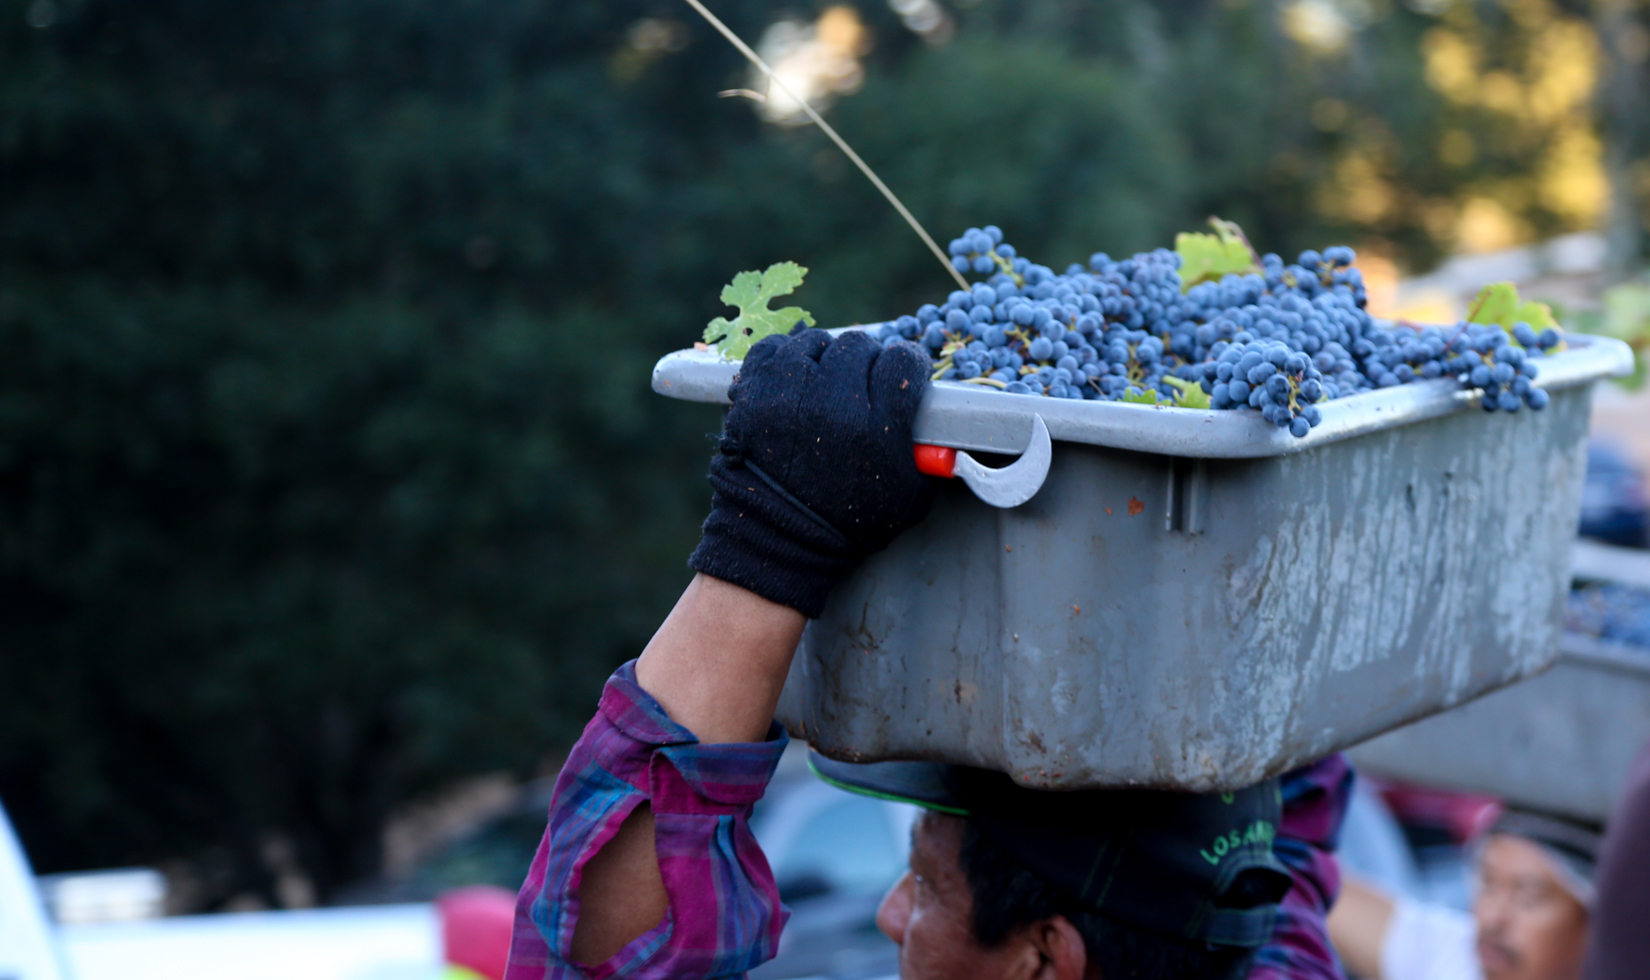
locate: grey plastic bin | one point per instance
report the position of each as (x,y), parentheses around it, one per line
(1561,741)
(1196,599)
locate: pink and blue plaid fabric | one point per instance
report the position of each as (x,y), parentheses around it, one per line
(1314,805)
(725,917)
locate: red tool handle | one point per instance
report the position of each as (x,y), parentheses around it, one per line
(936,460)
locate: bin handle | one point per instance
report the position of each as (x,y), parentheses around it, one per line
(1008,486)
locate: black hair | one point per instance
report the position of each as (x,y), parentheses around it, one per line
(1007,896)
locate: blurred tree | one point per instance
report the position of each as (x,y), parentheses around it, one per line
(328,468)
(1531,125)
(1623,28)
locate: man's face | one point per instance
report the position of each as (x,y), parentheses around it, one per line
(1529,925)
(928,914)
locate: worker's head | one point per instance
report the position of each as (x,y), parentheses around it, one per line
(1014,884)
(1534,895)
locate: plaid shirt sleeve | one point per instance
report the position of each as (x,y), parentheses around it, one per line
(1314,804)
(724,916)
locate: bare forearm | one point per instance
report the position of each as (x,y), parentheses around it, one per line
(831,420)
(716,666)
(1358,925)
(719,660)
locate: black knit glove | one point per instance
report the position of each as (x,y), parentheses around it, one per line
(814,469)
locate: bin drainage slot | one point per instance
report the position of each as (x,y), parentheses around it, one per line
(1187,498)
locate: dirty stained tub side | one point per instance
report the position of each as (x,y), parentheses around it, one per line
(1207,615)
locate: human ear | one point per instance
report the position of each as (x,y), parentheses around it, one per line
(1061,953)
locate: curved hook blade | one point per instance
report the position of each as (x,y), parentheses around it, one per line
(1016,483)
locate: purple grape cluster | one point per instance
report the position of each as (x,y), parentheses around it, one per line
(1611,612)
(1280,341)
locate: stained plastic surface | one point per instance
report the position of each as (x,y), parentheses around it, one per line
(1195,599)
(1559,742)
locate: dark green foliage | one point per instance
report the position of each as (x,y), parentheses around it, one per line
(328,466)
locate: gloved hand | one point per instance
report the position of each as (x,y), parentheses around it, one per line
(814,470)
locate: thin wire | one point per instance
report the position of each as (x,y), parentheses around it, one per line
(842,144)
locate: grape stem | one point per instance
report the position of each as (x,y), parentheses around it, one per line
(1007,268)
(841,143)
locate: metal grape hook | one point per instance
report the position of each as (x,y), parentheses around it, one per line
(842,144)
(1008,486)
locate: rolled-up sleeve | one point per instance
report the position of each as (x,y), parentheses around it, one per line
(1314,806)
(724,914)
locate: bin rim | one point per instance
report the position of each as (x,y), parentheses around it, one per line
(1609,655)
(963,416)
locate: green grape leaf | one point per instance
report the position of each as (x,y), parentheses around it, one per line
(1494,304)
(1206,258)
(1188,394)
(1147,396)
(1538,315)
(1499,304)
(751,292)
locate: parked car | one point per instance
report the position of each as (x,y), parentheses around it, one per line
(834,855)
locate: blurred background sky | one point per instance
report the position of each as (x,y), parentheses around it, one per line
(330,480)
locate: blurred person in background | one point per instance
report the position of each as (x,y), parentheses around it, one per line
(648,869)
(1530,916)
(1620,944)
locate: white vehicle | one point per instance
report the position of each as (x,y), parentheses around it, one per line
(379,942)
(383,942)
(28,946)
